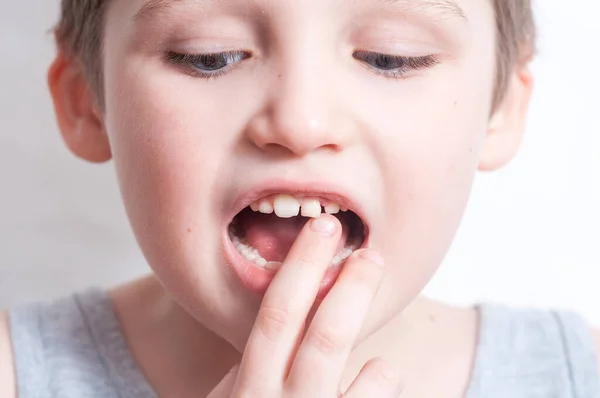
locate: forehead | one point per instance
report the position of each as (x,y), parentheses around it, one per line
(463,11)
(466,21)
(440,8)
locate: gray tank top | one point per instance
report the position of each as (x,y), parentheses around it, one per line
(73,348)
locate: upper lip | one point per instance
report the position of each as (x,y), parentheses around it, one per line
(318,189)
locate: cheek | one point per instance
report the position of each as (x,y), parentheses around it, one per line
(428,152)
(160,138)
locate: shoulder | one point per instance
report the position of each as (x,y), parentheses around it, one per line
(58,342)
(7,373)
(541,351)
(596,337)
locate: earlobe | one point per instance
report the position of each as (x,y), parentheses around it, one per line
(79,120)
(507,124)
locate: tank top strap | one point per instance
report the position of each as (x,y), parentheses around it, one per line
(73,348)
(533,354)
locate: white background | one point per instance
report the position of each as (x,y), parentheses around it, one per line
(531,236)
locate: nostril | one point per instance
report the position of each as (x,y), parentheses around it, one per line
(278,150)
(284,132)
(274,149)
(331,147)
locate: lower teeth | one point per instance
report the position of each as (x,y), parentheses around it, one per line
(251,254)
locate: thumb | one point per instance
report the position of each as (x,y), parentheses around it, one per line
(225,387)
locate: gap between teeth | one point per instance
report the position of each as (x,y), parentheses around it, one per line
(251,254)
(288,206)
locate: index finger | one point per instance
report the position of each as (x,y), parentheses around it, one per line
(286,304)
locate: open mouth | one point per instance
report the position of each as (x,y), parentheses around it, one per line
(264,232)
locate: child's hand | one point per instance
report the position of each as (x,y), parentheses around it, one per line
(278,361)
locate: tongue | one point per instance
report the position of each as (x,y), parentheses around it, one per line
(273,236)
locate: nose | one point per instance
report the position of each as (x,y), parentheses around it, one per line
(303,113)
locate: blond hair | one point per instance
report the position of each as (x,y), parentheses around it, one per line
(80,31)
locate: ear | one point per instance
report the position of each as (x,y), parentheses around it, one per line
(507,124)
(78,116)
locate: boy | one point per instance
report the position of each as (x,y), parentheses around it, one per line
(271,155)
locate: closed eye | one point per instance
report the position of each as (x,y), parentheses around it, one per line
(394,66)
(211,65)
(208,65)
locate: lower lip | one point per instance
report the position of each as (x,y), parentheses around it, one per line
(257,279)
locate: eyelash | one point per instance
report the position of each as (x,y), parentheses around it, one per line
(401,65)
(189,62)
(386,65)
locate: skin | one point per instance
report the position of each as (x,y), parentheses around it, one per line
(303,109)
(316,365)
(181,137)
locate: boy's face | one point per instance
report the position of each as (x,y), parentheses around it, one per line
(301,102)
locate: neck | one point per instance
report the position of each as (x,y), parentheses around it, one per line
(172,348)
(169,346)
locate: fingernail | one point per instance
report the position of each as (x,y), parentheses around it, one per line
(323,225)
(373,256)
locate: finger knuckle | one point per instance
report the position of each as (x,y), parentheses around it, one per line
(310,254)
(272,320)
(329,340)
(308,258)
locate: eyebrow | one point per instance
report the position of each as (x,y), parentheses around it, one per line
(443,7)
(448,8)
(150,6)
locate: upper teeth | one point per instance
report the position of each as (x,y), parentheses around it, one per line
(332,208)
(287,206)
(311,207)
(265,207)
